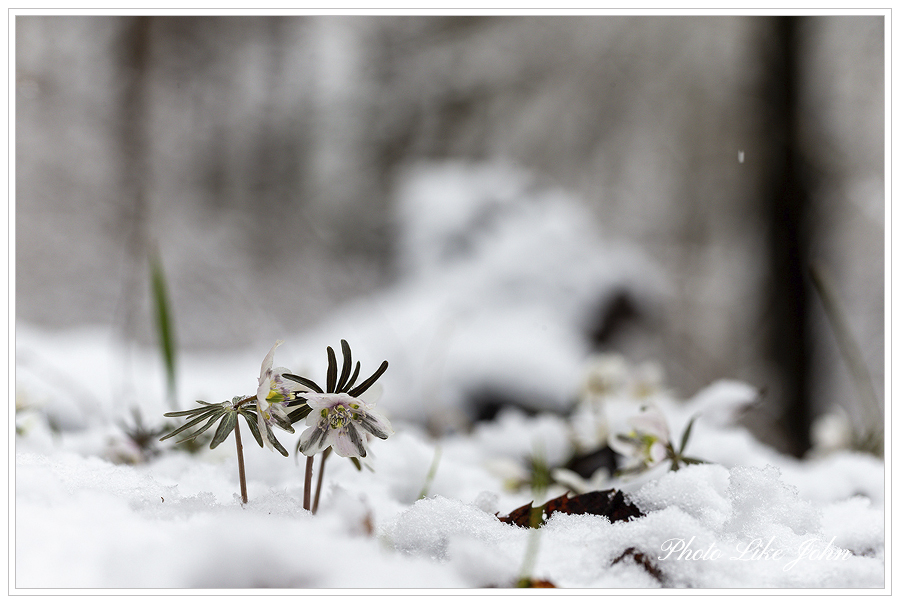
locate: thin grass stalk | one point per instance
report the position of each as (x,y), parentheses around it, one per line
(850,350)
(540,480)
(432,471)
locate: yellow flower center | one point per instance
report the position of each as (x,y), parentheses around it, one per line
(338,417)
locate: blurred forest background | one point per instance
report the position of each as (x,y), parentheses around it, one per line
(259,158)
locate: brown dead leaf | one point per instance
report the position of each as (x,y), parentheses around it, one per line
(534,583)
(610,503)
(641,559)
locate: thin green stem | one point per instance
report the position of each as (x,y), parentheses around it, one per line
(307,483)
(240,457)
(315,505)
(539,484)
(429,478)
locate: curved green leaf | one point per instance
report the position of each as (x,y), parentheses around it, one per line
(686,435)
(692,461)
(345,370)
(225,428)
(214,412)
(331,379)
(368,383)
(188,412)
(300,413)
(304,381)
(205,426)
(252,423)
(352,379)
(284,425)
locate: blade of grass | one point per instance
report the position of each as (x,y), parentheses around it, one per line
(432,471)
(164,325)
(850,351)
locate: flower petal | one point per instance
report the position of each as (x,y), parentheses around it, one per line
(277,411)
(651,421)
(329,400)
(285,387)
(375,424)
(266,383)
(657,453)
(314,439)
(262,427)
(318,401)
(267,362)
(263,391)
(347,442)
(625,444)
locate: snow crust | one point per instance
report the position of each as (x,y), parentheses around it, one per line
(176,521)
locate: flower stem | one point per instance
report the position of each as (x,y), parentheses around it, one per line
(307,482)
(246,400)
(315,505)
(240,457)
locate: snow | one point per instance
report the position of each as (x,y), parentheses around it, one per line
(177,522)
(92,510)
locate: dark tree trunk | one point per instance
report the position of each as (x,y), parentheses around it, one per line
(786,209)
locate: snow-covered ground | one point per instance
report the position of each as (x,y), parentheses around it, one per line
(175,520)
(484,309)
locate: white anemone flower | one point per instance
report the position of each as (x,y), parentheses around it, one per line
(574,482)
(272,395)
(649,442)
(342,422)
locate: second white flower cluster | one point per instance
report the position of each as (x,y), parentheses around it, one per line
(336,417)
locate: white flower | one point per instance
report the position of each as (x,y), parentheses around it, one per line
(648,378)
(340,421)
(606,374)
(573,481)
(831,432)
(648,442)
(510,471)
(271,396)
(589,427)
